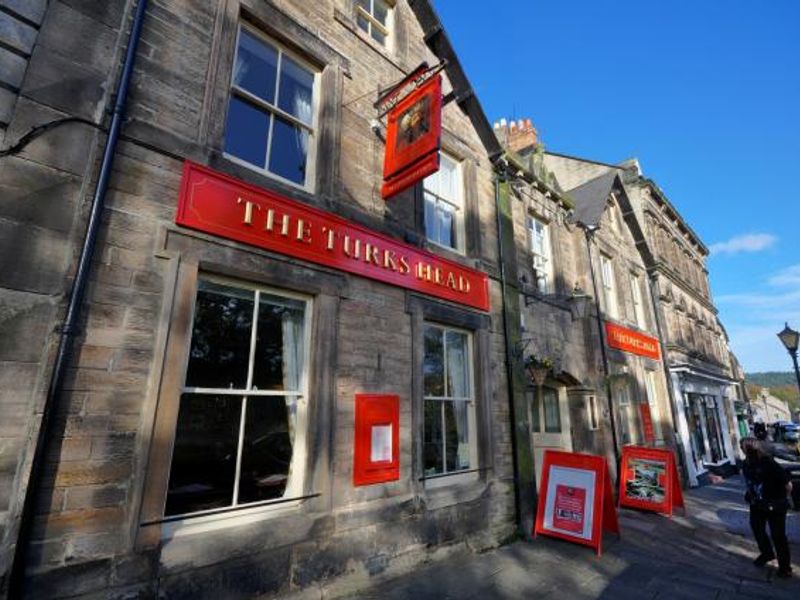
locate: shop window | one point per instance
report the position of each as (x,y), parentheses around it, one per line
(636,299)
(609,286)
(373,18)
(449,440)
(444,205)
(591,408)
(243,403)
(541,253)
(270,125)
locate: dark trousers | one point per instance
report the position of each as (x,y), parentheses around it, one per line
(777,527)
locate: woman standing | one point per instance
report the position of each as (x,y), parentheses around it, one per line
(768,486)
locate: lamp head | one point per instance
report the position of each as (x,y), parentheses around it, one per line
(790,338)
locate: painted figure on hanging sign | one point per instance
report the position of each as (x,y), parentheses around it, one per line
(413,123)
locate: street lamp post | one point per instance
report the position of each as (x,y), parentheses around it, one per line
(790,339)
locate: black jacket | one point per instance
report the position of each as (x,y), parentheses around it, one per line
(766,484)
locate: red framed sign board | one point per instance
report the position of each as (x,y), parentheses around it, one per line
(649,480)
(576,501)
(376,456)
(223,206)
(412,138)
(632,341)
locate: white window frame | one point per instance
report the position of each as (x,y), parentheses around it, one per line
(250,511)
(447,477)
(454,205)
(542,258)
(592,413)
(273,110)
(651,387)
(609,286)
(636,299)
(373,22)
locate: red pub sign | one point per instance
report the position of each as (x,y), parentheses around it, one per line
(220,205)
(631,341)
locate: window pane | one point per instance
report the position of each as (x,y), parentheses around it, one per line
(297,88)
(431,182)
(432,438)
(535,410)
(256,67)
(457,435)
(266,449)
(246,132)
(430,217)
(433,368)
(381,11)
(448,180)
(457,365)
(220,348)
(362,22)
(289,151)
(204,459)
(363,4)
(446,219)
(552,416)
(278,362)
(378,36)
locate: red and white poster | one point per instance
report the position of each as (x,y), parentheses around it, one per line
(569,511)
(575,499)
(649,480)
(412,138)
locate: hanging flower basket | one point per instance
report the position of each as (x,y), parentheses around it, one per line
(538,367)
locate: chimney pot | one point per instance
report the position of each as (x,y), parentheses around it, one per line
(502,122)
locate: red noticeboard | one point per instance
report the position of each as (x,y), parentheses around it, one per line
(647,423)
(575,499)
(220,205)
(412,138)
(649,480)
(632,341)
(376,457)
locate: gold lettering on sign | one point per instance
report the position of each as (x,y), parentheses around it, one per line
(371,254)
(355,250)
(303,231)
(330,237)
(285,226)
(405,268)
(248,210)
(268,226)
(388,260)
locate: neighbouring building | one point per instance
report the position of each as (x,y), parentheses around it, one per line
(769,409)
(576,242)
(249,286)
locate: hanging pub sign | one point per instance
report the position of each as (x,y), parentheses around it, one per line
(221,205)
(649,480)
(632,341)
(576,502)
(413,131)
(376,456)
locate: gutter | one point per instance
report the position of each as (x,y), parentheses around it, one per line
(69,328)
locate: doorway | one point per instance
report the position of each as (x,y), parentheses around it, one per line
(550,423)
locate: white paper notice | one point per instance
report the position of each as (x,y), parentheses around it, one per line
(570,477)
(381,447)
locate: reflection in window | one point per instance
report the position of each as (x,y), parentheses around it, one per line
(444,205)
(449,411)
(238,415)
(552,414)
(270,122)
(372,17)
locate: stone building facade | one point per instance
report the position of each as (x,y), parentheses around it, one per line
(197,355)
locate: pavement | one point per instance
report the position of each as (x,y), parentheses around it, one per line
(706,554)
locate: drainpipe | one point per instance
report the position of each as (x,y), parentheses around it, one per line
(519,493)
(670,392)
(589,232)
(68,330)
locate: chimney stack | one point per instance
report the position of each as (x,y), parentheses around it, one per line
(516,135)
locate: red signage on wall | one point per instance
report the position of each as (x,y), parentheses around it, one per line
(631,341)
(649,480)
(376,456)
(223,206)
(647,423)
(412,138)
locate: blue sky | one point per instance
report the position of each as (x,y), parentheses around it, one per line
(705,94)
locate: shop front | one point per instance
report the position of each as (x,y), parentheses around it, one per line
(703,423)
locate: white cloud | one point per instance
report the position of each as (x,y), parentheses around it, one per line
(786,277)
(748,242)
